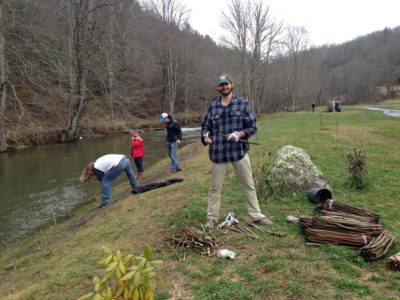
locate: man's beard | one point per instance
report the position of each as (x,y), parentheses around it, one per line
(226,93)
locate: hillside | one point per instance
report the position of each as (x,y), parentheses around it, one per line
(60,261)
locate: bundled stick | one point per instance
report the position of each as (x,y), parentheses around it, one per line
(333,205)
(346,223)
(321,236)
(190,237)
(343,214)
(378,246)
(394,262)
(305,222)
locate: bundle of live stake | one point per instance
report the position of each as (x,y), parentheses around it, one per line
(332,205)
(190,237)
(342,224)
(377,247)
(394,262)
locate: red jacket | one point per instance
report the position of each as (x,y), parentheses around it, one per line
(137,149)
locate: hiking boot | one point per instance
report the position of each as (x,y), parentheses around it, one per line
(178,169)
(136,191)
(103,205)
(209,224)
(264,221)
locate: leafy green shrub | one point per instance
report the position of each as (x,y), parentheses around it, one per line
(126,277)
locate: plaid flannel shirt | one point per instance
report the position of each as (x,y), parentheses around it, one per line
(237,116)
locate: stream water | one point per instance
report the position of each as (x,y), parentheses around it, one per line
(386,111)
(40,184)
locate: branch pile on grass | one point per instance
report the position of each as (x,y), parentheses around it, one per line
(199,241)
(378,246)
(305,222)
(394,262)
(346,224)
(321,236)
(332,205)
(343,214)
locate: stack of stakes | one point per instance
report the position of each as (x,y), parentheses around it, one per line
(342,224)
(394,262)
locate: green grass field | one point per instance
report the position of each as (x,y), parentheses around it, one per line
(60,261)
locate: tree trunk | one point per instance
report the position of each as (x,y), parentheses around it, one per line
(83,30)
(3,82)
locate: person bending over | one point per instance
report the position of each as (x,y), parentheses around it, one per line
(106,169)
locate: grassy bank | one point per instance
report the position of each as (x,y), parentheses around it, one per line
(59,262)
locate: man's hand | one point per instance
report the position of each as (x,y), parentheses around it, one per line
(178,141)
(234,136)
(207,139)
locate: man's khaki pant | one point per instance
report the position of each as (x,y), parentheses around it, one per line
(244,174)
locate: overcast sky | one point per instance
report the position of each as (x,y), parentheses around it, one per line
(327,22)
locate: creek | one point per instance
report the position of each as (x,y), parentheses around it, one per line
(386,111)
(41,184)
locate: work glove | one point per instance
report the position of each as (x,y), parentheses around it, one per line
(234,136)
(206,138)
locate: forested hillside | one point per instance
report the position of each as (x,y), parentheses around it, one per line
(87,66)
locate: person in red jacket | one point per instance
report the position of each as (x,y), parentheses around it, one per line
(137,153)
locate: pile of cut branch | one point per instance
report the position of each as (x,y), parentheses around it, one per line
(343,214)
(394,262)
(305,222)
(321,236)
(332,205)
(378,246)
(200,241)
(346,224)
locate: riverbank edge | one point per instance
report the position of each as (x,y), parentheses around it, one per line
(92,129)
(52,240)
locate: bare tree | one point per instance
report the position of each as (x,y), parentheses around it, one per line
(174,16)
(83,22)
(253,34)
(3,82)
(294,48)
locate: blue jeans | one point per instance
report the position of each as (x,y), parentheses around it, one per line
(172,149)
(123,166)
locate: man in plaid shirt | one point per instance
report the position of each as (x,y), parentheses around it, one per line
(227,125)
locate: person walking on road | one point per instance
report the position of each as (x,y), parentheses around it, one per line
(174,137)
(227,125)
(106,169)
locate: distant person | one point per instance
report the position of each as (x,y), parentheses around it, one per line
(106,169)
(174,137)
(313,106)
(137,153)
(227,125)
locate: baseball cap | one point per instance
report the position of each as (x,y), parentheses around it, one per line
(163,116)
(224,78)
